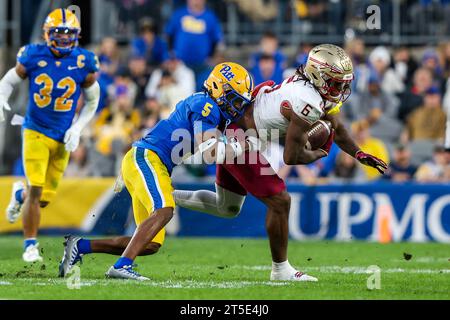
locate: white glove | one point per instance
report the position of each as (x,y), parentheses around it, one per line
(72,138)
(3,105)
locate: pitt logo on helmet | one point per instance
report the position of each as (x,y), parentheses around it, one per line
(231,86)
(61,31)
(226,72)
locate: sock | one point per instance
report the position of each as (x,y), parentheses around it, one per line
(282,266)
(123,261)
(19,196)
(84,246)
(28,242)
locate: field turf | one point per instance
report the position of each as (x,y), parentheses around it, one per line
(213,268)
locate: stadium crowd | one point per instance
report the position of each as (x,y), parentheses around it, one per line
(397,109)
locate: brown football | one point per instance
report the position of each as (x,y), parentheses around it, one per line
(318,134)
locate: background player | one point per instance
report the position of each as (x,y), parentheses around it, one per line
(147,167)
(57,72)
(314,92)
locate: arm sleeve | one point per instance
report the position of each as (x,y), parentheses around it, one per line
(92,95)
(8,82)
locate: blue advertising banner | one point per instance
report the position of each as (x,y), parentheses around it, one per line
(376,212)
(397,212)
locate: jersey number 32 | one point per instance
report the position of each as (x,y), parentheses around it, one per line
(44,97)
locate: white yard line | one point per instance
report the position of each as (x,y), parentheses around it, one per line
(350,269)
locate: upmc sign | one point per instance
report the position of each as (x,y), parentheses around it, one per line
(343,212)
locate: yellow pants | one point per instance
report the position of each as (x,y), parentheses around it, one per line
(149,184)
(44,161)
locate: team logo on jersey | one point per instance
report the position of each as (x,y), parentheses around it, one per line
(226,72)
(42,63)
(58,63)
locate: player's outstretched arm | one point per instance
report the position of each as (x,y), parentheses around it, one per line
(349,146)
(92,97)
(296,138)
(12,78)
(342,136)
(213,148)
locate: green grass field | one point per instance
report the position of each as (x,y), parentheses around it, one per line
(205,268)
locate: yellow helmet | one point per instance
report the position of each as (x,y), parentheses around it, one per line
(61,31)
(231,86)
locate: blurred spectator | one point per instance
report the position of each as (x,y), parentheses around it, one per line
(194,33)
(77,166)
(170,93)
(109,59)
(302,54)
(149,45)
(401,169)
(123,84)
(380,61)
(427,121)
(436,170)
(266,69)
(413,98)
(444,49)
(379,109)
(258,10)
(150,114)
(269,46)
(355,49)
(371,145)
(140,75)
(430,60)
(113,131)
(347,169)
(184,77)
(404,65)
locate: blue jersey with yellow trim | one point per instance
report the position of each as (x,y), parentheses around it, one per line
(173,138)
(55,87)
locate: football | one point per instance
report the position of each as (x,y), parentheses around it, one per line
(318,134)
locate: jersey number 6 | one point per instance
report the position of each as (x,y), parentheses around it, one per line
(44,97)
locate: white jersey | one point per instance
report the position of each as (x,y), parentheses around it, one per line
(293,93)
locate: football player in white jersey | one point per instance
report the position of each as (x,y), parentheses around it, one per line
(289,109)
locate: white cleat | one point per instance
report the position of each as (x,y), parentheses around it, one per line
(291,276)
(31,254)
(14,207)
(126,272)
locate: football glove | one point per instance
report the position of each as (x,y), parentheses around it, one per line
(72,138)
(371,161)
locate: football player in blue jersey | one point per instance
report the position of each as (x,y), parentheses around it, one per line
(58,71)
(192,128)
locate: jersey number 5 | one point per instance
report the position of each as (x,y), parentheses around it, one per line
(44,97)
(207,109)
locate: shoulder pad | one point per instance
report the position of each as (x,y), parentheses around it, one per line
(310,105)
(205,106)
(87,60)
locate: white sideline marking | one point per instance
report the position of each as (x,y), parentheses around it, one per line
(168,284)
(350,269)
(5,283)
